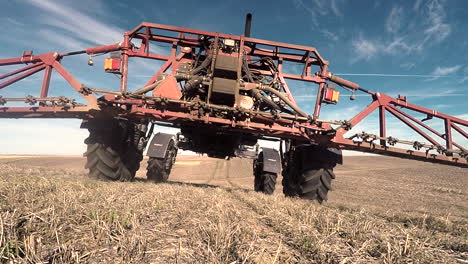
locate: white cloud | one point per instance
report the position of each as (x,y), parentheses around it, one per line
(330,35)
(334,7)
(318,10)
(443,71)
(77,23)
(407,65)
(438,29)
(365,49)
(462,116)
(428,27)
(394,20)
(58,41)
(417,4)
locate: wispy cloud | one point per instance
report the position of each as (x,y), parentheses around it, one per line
(321,9)
(407,65)
(394,20)
(77,23)
(365,49)
(444,71)
(430,92)
(417,4)
(437,28)
(391,75)
(334,7)
(428,27)
(61,41)
(12,21)
(465,78)
(330,35)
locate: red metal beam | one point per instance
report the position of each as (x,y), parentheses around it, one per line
(427,127)
(404,120)
(382,124)
(75,84)
(22,76)
(21,70)
(363,114)
(457,128)
(448,133)
(428,111)
(46,81)
(398,152)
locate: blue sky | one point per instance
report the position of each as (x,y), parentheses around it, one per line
(423,43)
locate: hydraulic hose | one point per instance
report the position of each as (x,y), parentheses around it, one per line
(147,88)
(258,95)
(285,99)
(192,83)
(203,65)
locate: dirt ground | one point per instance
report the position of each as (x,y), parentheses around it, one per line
(373,182)
(382,209)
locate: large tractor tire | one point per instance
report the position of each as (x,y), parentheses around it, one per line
(264,182)
(315,184)
(105,163)
(309,176)
(159,169)
(115,154)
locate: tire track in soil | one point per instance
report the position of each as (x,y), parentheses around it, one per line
(273,233)
(265,220)
(260,218)
(215,171)
(242,166)
(228,167)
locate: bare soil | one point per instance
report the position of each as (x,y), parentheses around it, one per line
(384,210)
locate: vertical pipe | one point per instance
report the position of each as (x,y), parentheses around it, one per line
(248,25)
(448,135)
(318,102)
(123,77)
(46,81)
(382,125)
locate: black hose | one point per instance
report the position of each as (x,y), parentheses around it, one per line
(285,99)
(148,88)
(258,95)
(192,83)
(203,65)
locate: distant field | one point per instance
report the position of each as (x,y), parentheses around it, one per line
(381,210)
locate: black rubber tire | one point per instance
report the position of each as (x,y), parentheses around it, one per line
(265,182)
(290,187)
(309,179)
(156,170)
(132,159)
(311,184)
(114,154)
(315,184)
(159,169)
(104,163)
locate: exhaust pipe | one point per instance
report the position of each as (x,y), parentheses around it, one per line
(248,25)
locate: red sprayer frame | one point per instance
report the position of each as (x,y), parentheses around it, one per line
(163,106)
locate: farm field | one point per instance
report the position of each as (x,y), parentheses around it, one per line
(382,209)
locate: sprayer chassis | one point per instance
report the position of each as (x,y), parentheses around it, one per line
(166,107)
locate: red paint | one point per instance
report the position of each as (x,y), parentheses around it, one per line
(168,88)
